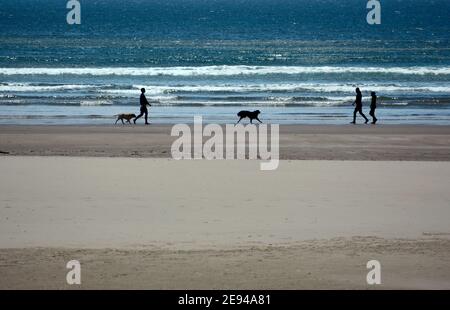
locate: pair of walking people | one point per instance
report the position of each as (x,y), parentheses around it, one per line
(358,107)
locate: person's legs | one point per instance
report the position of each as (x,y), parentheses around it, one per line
(143,111)
(146,116)
(354,116)
(138,117)
(374,118)
(362,114)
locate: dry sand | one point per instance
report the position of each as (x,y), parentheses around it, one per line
(159,223)
(321,264)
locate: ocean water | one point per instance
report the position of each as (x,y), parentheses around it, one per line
(298,61)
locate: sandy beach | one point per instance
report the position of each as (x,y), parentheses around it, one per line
(155,223)
(299,142)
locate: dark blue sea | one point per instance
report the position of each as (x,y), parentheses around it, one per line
(298,61)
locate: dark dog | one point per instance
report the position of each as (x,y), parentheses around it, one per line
(127,117)
(251,115)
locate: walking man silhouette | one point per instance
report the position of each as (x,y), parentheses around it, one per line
(373,106)
(358,107)
(144,104)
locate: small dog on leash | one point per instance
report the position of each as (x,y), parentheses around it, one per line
(127,117)
(251,115)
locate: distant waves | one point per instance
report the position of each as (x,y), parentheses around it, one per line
(226,70)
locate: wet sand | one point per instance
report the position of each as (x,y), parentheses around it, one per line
(302,142)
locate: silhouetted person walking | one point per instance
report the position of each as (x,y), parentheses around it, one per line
(144,104)
(373,106)
(358,107)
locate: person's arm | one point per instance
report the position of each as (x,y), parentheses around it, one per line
(146,102)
